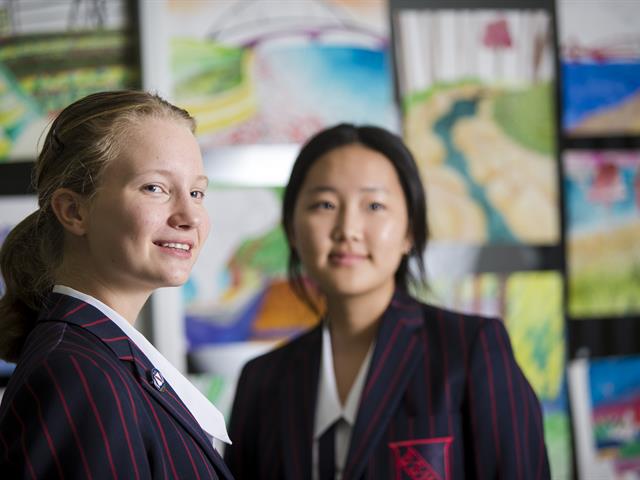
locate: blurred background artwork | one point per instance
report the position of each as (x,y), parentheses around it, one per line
(602,201)
(478,114)
(600,61)
(606,402)
(255,72)
(53,53)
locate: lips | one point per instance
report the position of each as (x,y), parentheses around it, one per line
(346,258)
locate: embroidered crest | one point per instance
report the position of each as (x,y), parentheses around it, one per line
(422,459)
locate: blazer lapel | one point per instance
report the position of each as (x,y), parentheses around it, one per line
(397,352)
(71,310)
(297,405)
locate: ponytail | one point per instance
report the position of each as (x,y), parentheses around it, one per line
(28,256)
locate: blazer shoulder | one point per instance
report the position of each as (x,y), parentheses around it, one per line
(287,352)
(454,324)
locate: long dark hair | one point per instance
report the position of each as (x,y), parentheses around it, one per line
(394,149)
(81,141)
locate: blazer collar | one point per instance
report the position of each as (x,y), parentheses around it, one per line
(395,357)
(63,308)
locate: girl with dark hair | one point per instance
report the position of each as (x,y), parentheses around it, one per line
(385,386)
(120,185)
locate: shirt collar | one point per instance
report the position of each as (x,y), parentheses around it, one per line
(206,414)
(328,408)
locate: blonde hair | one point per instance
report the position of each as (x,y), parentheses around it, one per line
(82,140)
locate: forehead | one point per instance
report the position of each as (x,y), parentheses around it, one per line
(158,143)
(353,165)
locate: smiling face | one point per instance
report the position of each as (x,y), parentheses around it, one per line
(350,223)
(146,223)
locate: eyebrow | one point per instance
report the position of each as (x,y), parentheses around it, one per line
(326,188)
(169,173)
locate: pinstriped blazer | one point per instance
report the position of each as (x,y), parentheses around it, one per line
(81,404)
(444,398)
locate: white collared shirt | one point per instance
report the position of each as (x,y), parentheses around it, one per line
(329,408)
(206,414)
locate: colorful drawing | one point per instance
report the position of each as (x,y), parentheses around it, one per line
(615,399)
(52,54)
(600,57)
(602,190)
(530,303)
(238,291)
(276,72)
(478,115)
(605,399)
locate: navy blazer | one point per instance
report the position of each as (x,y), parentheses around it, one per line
(443,399)
(81,403)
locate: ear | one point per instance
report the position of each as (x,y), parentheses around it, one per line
(70,209)
(408,244)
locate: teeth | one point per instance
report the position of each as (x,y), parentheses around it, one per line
(181,246)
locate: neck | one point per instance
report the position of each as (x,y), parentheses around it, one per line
(354,320)
(127,302)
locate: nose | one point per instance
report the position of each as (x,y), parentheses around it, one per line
(348,226)
(187,214)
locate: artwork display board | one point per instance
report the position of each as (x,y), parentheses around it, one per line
(53,53)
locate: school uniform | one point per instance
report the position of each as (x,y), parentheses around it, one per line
(86,401)
(443,398)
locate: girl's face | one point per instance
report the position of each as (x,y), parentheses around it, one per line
(147,222)
(350,223)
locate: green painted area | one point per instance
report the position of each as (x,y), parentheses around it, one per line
(205,67)
(527,115)
(605,291)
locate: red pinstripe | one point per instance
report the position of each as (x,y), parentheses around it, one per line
(382,362)
(492,395)
(117,371)
(162,434)
(97,322)
(45,429)
(96,413)
(115,339)
(65,407)
(383,404)
(445,362)
(120,412)
(512,402)
(427,383)
(23,442)
(74,310)
(184,444)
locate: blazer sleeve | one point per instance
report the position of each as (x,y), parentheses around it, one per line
(503,413)
(242,455)
(70,417)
